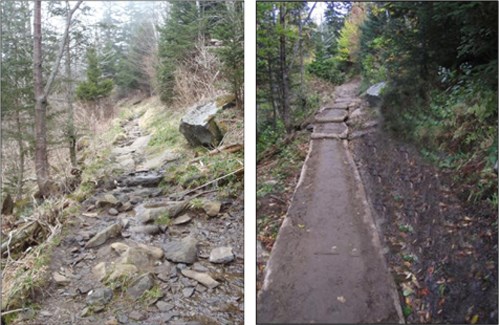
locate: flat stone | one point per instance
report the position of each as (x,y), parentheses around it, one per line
(221,255)
(185,218)
(119,248)
(60,279)
(113,212)
(155,252)
(85,288)
(199,267)
(136,256)
(107,199)
(164,271)
(331,116)
(334,128)
(183,251)
(127,206)
(164,306)
(100,296)
(135,315)
(140,285)
(122,318)
(146,229)
(202,278)
(100,271)
(158,161)
(146,214)
(123,270)
(187,292)
(101,237)
(212,208)
(143,180)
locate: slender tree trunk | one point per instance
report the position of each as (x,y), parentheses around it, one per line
(69,99)
(41,157)
(20,144)
(271,94)
(286,114)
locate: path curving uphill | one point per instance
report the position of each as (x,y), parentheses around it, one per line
(327,264)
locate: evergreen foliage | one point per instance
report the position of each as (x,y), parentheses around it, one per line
(95,86)
(440,61)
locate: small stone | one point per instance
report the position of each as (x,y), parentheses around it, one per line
(135,315)
(185,218)
(109,232)
(202,278)
(112,321)
(187,292)
(154,252)
(139,286)
(164,306)
(107,200)
(212,208)
(85,288)
(163,271)
(122,318)
(99,296)
(122,270)
(100,271)
(75,249)
(127,206)
(199,267)
(222,255)
(120,248)
(113,212)
(60,279)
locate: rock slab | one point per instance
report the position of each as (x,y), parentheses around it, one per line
(182,251)
(199,127)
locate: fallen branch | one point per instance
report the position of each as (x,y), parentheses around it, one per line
(20,235)
(239,171)
(231,148)
(13,311)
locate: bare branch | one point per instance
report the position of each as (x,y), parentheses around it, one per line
(62,43)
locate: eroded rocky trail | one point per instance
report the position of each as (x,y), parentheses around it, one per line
(138,254)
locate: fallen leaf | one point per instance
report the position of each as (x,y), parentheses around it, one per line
(474,319)
(301,226)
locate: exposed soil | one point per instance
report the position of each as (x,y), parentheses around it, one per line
(442,251)
(185,301)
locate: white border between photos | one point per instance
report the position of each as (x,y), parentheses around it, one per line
(249,162)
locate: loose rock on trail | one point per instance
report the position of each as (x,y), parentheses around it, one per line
(121,263)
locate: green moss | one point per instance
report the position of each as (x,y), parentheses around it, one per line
(163,220)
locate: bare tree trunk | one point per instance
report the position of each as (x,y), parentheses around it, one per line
(41,158)
(20,144)
(271,93)
(286,114)
(69,98)
(41,154)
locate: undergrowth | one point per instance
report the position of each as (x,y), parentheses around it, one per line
(456,129)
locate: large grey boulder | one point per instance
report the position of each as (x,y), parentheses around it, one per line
(199,127)
(374,93)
